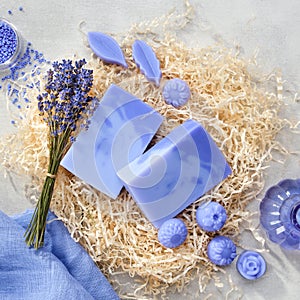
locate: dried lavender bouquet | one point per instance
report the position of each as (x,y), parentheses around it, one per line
(64,105)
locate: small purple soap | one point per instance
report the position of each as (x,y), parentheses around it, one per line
(176,92)
(175,172)
(106,48)
(147,61)
(172,233)
(251,265)
(121,128)
(211,216)
(221,251)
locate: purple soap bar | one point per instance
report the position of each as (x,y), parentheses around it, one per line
(175,172)
(120,130)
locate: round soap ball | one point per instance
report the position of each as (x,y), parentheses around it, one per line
(211,216)
(172,233)
(251,265)
(176,92)
(221,251)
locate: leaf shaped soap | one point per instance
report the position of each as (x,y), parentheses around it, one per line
(147,61)
(106,48)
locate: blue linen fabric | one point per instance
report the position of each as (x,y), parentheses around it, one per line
(59,270)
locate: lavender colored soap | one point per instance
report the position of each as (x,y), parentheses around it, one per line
(251,265)
(120,130)
(175,172)
(221,251)
(106,48)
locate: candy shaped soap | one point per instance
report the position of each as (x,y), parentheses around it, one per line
(211,216)
(176,92)
(175,172)
(221,251)
(120,130)
(106,48)
(251,265)
(172,233)
(147,61)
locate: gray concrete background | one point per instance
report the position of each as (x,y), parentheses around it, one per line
(270,26)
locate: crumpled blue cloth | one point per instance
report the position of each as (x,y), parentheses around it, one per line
(60,270)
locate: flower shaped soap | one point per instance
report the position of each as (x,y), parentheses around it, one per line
(211,216)
(221,251)
(172,233)
(176,92)
(251,265)
(280,213)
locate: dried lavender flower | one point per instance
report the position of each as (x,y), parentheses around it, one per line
(64,104)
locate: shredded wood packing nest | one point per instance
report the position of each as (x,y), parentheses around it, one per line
(240,116)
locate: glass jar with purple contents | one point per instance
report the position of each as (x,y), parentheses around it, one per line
(280,213)
(10,45)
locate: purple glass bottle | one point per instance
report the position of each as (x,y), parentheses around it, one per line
(280,213)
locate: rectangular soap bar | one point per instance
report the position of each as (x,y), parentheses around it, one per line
(175,172)
(121,128)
